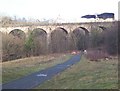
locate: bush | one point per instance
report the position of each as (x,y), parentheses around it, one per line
(29,45)
(107,40)
(111,41)
(12,47)
(35,45)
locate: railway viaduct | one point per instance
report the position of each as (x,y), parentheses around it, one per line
(47,31)
(68,27)
(61,32)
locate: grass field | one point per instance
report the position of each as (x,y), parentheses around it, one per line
(15,69)
(86,75)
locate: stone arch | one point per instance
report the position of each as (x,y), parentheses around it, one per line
(39,32)
(59,39)
(103,28)
(60,28)
(86,30)
(99,29)
(79,30)
(18,33)
(79,37)
(39,36)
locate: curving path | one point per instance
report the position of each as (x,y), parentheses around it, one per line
(37,78)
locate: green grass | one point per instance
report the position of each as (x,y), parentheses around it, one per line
(86,75)
(18,68)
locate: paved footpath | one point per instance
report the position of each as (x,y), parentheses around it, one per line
(37,78)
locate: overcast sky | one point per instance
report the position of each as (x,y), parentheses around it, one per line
(68,10)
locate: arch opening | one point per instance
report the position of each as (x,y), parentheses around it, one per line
(37,32)
(79,37)
(86,30)
(18,33)
(61,29)
(102,27)
(59,40)
(39,38)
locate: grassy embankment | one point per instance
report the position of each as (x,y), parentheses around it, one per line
(86,75)
(15,69)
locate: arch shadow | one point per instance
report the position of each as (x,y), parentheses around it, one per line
(60,28)
(59,40)
(17,32)
(39,31)
(103,28)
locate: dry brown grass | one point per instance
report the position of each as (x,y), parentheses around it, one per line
(86,75)
(25,66)
(31,61)
(96,55)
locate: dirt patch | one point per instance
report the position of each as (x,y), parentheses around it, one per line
(97,55)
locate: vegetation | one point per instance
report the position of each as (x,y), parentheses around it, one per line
(59,40)
(29,45)
(25,66)
(86,75)
(105,40)
(93,71)
(112,40)
(78,36)
(15,45)
(12,47)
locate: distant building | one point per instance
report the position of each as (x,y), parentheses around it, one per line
(106,16)
(101,17)
(89,16)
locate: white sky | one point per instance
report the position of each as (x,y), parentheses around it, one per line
(68,10)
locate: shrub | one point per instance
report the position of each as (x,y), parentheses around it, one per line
(12,47)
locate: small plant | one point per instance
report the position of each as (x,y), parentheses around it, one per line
(29,45)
